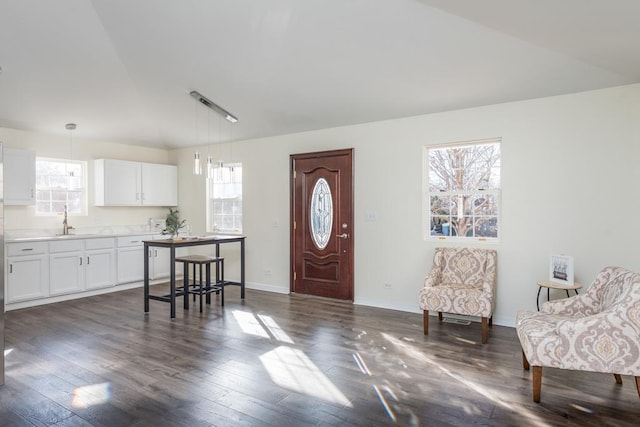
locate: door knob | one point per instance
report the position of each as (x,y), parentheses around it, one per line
(342,236)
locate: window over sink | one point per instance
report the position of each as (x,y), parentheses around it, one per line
(60,183)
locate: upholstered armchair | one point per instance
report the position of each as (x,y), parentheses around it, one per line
(597,331)
(461,281)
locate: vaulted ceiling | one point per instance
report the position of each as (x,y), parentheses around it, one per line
(123,69)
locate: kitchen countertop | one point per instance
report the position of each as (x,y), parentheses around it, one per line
(41,235)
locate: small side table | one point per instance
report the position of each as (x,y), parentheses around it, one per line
(553,285)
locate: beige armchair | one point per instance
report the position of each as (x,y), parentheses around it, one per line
(597,331)
(461,281)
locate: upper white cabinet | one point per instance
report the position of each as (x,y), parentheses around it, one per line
(19,177)
(124,183)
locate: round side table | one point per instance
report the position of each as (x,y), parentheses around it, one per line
(553,285)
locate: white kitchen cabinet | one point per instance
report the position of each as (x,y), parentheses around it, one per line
(125,183)
(131,258)
(27,271)
(159,185)
(66,267)
(77,265)
(19,177)
(160,260)
(100,266)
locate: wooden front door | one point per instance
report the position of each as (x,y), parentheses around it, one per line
(322,224)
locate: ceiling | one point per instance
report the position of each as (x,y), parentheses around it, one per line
(123,69)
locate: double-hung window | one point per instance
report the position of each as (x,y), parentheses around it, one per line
(462,190)
(60,183)
(224,199)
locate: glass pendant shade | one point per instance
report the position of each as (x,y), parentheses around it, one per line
(209,167)
(197,167)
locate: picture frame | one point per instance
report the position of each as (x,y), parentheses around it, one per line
(561,269)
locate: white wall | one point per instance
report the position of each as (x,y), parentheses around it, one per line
(570,184)
(23,217)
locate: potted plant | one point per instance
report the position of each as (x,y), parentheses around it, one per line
(173,223)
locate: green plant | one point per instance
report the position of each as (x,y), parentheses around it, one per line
(173,224)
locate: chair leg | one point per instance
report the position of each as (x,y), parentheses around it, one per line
(618,378)
(485,332)
(537,383)
(207,284)
(525,362)
(440,316)
(425,321)
(194,280)
(638,385)
(491,321)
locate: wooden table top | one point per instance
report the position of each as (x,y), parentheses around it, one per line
(556,285)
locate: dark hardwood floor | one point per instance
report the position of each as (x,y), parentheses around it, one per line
(280,360)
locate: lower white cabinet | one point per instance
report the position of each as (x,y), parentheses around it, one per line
(82,264)
(160,260)
(50,268)
(27,271)
(66,270)
(100,268)
(131,258)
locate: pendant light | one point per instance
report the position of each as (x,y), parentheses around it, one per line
(209,157)
(70,127)
(197,167)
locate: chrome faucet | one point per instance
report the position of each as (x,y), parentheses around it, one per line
(65,224)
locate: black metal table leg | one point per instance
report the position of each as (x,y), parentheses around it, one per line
(242,268)
(146,278)
(172,268)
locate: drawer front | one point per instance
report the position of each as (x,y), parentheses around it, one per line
(100,243)
(66,245)
(126,241)
(26,248)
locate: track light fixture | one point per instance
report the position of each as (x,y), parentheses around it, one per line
(215,107)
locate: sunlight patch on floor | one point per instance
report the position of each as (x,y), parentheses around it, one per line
(290,368)
(7,351)
(90,395)
(274,329)
(249,324)
(260,326)
(409,350)
(581,408)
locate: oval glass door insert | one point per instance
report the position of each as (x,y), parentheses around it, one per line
(321,213)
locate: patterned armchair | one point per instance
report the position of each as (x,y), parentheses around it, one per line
(461,281)
(597,331)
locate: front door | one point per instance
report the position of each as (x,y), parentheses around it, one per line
(322,224)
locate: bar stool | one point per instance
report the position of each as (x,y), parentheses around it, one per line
(202,287)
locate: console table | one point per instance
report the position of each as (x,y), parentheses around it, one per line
(172,244)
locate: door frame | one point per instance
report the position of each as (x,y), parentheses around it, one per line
(351,247)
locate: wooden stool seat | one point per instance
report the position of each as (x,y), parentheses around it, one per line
(202,287)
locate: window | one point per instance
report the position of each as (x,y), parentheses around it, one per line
(60,183)
(224,199)
(463,190)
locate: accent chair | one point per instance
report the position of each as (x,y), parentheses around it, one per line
(596,331)
(461,281)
